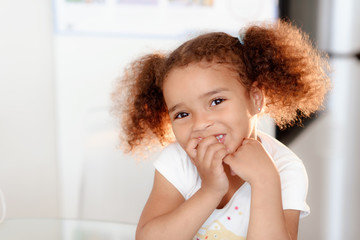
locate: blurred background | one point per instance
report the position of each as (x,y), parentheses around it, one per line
(58,142)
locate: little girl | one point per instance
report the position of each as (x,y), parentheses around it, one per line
(222,179)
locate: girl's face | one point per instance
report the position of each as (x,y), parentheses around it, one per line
(208,100)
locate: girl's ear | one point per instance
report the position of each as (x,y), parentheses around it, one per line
(257,97)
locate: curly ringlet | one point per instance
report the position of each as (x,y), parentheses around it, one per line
(278,56)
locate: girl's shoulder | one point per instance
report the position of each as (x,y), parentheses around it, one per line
(172,157)
(293,175)
(175,165)
(281,154)
(174,148)
(271,144)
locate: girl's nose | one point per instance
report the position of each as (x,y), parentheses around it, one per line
(201,122)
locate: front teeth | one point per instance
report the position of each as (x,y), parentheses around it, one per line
(219,137)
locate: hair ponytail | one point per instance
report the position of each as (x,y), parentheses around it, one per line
(278,56)
(291,72)
(137,97)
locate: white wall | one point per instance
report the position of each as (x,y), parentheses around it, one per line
(312,146)
(28,167)
(87,63)
(49,85)
(86,68)
(330,146)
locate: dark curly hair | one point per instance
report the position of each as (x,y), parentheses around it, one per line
(278,56)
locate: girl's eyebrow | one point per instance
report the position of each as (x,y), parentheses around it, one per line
(216,91)
(204,95)
(174,107)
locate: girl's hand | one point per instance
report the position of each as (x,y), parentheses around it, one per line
(207,155)
(252,163)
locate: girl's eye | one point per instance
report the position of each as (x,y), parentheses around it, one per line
(217,101)
(181,115)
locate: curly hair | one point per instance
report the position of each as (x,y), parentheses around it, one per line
(278,56)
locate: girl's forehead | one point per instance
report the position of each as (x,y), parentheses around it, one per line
(195,84)
(200,77)
(221,68)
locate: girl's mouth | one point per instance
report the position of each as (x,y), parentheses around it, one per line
(220,138)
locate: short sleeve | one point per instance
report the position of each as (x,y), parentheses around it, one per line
(174,164)
(294,179)
(294,187)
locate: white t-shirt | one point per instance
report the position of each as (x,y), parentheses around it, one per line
(231,222)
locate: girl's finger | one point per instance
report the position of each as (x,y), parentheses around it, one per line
(228,159)
(231,161)
(214,154)
(202,147)
(245,141)
(219,156)
(191,148)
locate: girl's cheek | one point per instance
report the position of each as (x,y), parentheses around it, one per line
(181,133)
(183,137)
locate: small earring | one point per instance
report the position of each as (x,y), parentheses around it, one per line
(259,109)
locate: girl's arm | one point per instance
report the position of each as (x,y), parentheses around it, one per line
(268,220)
(292,222)
(167,214)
